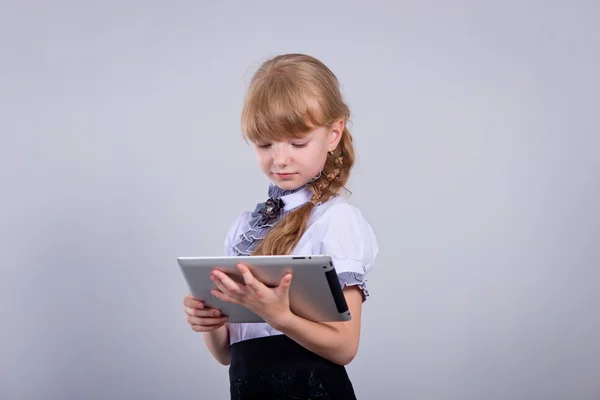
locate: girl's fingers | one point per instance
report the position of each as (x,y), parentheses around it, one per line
(227,282)
(221,286)
(203,328)
(249,279)
(224,297)
(206,321)
(189,301)
(207,312)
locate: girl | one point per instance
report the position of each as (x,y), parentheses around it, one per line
(295,117)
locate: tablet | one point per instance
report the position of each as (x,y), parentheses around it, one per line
(315,292)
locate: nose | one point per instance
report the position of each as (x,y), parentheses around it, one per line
(281,157)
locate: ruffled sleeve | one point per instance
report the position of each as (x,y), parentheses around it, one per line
(235,229)
(346,236)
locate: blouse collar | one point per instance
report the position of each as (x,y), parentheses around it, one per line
(296,199)
(291,198)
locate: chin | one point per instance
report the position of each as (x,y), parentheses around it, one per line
(288,185)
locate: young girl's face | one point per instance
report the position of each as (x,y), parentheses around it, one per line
(291,163)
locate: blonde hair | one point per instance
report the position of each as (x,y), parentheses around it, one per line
(289,96)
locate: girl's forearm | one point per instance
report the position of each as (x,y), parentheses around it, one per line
(332,341)
(217,342)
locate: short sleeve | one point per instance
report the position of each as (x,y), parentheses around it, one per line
(347,237)
(233,233)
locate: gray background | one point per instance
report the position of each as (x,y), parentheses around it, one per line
(477,132)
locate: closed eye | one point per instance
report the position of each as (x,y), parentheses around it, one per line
(263,146)
(299,145)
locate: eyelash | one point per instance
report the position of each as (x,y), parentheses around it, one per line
(298,146)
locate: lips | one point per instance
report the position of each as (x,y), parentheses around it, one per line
(284,174)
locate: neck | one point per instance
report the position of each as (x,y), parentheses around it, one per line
(276,192)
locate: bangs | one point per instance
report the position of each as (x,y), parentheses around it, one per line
(277,109)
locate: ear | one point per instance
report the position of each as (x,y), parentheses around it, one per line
(335,134)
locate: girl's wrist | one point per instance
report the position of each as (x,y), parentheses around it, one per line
(281,321)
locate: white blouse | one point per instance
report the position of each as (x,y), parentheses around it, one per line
(335,228)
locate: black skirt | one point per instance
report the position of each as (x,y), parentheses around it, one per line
(276,367)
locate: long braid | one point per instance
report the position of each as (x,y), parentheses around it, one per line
(336,171)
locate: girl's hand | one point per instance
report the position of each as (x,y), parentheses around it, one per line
(200,318)
(271,304)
